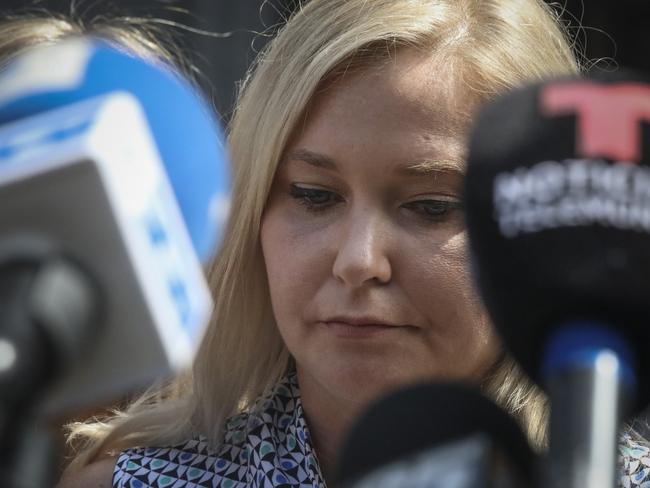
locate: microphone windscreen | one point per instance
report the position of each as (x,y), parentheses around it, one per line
(418,418)
(186,134)
(557,198)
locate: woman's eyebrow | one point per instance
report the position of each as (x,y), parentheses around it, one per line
(416,168)
(310,157)
(433,166)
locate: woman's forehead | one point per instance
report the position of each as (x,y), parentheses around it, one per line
(413,87)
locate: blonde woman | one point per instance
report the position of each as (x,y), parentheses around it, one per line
(343,273)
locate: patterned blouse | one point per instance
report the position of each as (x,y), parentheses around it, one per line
(267,448)
(272,448)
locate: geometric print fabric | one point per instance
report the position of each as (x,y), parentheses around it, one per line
(268,447)
(634,461)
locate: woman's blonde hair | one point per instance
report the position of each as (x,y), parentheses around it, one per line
(19,31)
(498,44)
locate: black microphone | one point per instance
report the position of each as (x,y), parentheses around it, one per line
(558,214)
(436,435)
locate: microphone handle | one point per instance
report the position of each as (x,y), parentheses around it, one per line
(48,308)
(36,457)
(27,361)
(588,402)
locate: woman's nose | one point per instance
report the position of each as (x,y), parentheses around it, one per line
(362,255)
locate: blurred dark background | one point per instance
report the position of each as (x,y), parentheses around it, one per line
(613,33)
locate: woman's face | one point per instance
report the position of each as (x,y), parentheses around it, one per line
(363,239)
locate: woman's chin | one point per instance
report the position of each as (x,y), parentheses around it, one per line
(366,383)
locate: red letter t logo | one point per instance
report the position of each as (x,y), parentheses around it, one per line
(607,117)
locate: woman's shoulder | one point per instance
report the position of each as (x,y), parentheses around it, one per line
(96,475)
(267,445)
(634,456)
(187,461)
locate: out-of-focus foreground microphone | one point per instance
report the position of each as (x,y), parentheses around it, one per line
(436,436)
(112,179)
(558,213)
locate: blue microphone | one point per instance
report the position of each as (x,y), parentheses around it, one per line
(114,169)
(189,140)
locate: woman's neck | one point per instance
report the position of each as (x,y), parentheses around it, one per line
(329,419)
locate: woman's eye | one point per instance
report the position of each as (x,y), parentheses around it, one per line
(313,198)
(434,209)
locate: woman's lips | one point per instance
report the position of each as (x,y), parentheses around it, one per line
(358,330)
